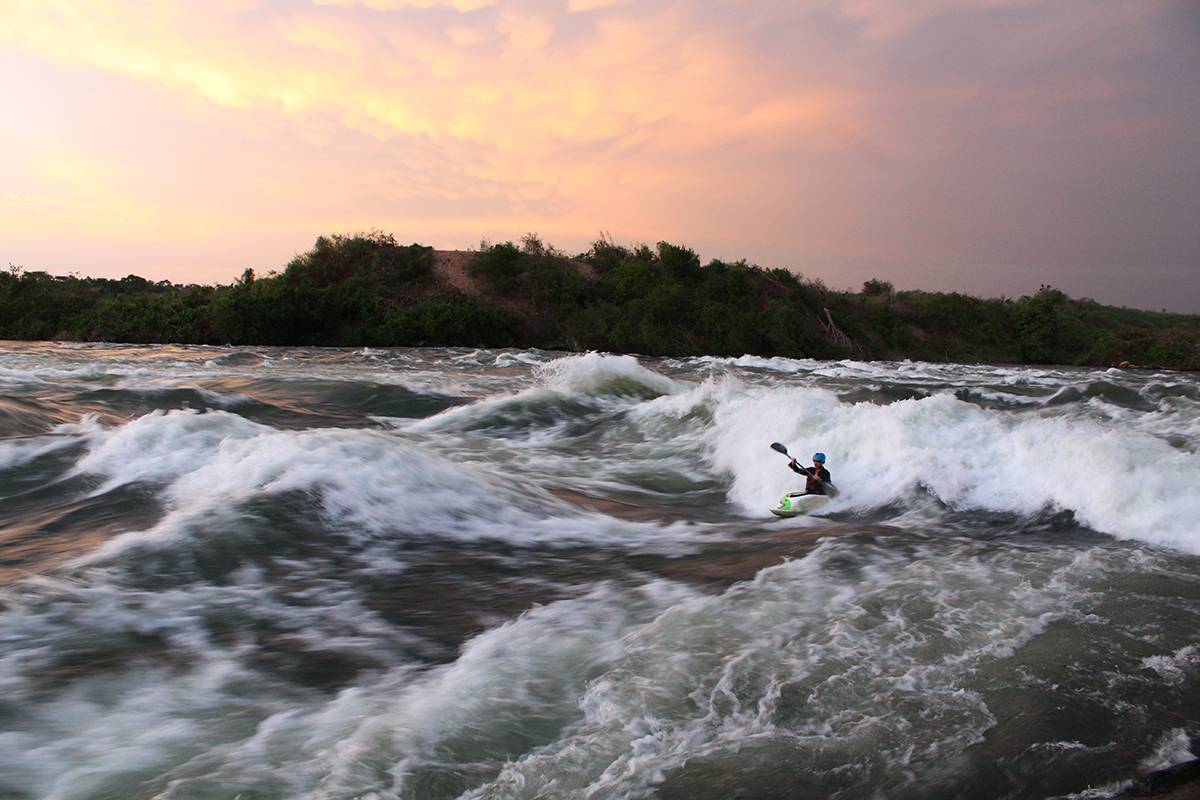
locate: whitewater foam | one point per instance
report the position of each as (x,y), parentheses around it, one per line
(599,374)
(806,659)
(367,484)
(1114,479)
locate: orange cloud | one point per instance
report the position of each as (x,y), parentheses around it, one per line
(555,118)
(840,126)
(379,75)
(396,5)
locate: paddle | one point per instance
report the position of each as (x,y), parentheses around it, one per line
(830,489)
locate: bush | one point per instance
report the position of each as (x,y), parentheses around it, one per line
(372,259)
(501,265)
(681,263)
(878,288)
(453,323)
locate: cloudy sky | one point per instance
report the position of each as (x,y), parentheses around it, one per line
(979,146)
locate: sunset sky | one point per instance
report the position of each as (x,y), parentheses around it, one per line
(984,147)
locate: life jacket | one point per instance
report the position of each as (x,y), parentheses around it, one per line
(817,478)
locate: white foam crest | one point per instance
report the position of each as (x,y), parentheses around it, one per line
(217,458)
(82,746)
(519,682)
(1008,397)
(747,424)
(1174,748)
(113,728)
(162,446)
(1173,669)
(87,371)
(599,373)
(810,660)
(687,402)
(1178,425)
(369,483)
(501,408)
(1115,480)
(524,358)
(657,445)
(514,686)
(599,379)
(788,366)
(217,399)
(19,452)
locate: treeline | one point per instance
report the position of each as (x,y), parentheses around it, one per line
(366,289)
(355,290)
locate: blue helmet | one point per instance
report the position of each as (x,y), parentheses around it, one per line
(819,457)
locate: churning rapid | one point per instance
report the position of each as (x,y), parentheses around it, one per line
(303,573)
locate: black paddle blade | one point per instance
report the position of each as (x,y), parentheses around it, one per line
(780,448)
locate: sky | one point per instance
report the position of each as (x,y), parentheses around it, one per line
(978,146)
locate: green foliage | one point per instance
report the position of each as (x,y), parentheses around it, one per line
(1146,348)
(681,263)
(336,294)
(1039,325)
(631,279)
(548,287)
(34,305)
(878,288)
(605,255)
(663,302)
(371,259)
(1048,329)
(365,289)
(502,265)
(450,323)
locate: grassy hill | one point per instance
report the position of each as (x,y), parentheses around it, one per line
(366,289)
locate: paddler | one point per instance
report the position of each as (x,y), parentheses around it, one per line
(817,475)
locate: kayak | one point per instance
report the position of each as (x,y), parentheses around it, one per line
(794,504)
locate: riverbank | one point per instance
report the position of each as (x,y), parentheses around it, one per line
(368,290)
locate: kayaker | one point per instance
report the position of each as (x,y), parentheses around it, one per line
(818,476)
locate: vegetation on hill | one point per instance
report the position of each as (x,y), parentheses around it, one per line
(365,289)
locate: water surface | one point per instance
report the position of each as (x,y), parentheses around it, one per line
(312,573)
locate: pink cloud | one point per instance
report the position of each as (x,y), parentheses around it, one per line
(864,134)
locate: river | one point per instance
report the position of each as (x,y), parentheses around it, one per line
(437,573)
